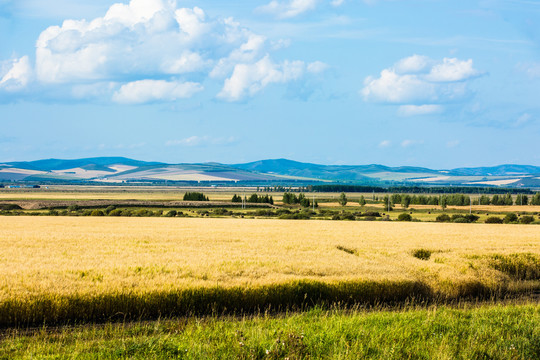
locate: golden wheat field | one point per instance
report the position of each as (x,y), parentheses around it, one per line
(64,256)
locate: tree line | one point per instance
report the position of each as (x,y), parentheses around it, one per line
(301,199)
(417,189)
(254,199)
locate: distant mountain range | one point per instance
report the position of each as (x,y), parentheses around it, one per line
(121,170)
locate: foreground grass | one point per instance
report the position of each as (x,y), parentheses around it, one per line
(489,332)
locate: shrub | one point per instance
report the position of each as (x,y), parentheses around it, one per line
(510,218)
(472,218)
(443,218)
(171,213)
(263,212)
(404,217)
(296,216)
(109,209)
(368,214)
(348,216)
(460,220)
(97,213)
(344,216)
(9,207)
(144,213)
(494,220)
(221,212)
(73,208)
(116,212)
(527,219)
(422,254)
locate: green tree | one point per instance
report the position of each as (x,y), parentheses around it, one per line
(444,202)
(405,201)
(362,201)
(387,203)
(522,200)
(342,199)
(484,200)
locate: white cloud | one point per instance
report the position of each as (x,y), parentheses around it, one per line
(137,51)
(15,74)
(197,141)
(249,79)
(421,84)
(288,9)
(452,70)
(413,64)
(391,87)
(144,91)
(414,110)
(317,67)
(408,143)
(385,144)
(129,40)
(452,144)
(531,69)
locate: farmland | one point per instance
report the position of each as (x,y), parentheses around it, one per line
(137,282)
(52,266)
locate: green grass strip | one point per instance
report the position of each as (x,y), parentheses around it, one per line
(490,332)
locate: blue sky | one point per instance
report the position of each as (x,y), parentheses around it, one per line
(432,83)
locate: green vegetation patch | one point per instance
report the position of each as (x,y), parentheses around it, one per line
(86,308)
(422,254)
(490,332)
(349,251)
(525,266)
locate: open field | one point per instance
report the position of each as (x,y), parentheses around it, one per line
(486,332)
(60,269)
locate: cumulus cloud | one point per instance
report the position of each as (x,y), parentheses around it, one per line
(247,80)
(146,51)
(531,69)
(144,91)
(421,84)
(198,141)
(385,143)
(15,74)
(414,110)
(288,9)
(408,143)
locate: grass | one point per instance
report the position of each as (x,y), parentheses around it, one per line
(518,266)
(64,269)
(486,332)
(422,254)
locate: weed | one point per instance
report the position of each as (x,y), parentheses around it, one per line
(422,254)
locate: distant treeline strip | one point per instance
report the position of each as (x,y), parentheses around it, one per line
(418,189)
(52,309)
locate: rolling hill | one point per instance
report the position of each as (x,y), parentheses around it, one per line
(124,170)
